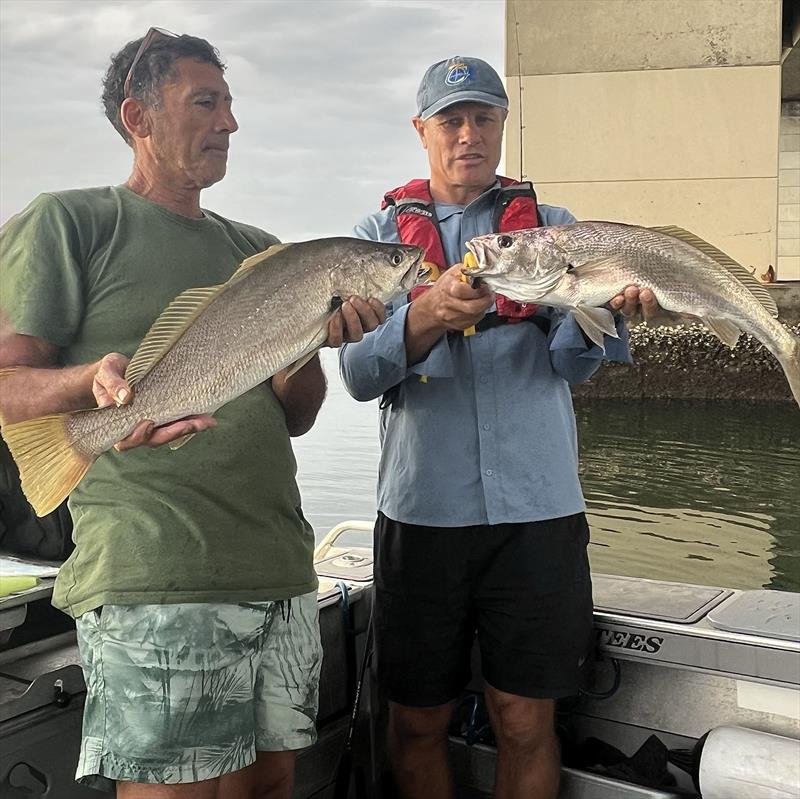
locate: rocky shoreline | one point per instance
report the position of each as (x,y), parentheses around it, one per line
(689,363)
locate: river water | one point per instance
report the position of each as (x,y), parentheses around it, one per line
(697,493)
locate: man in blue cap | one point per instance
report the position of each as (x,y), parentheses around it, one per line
(481,523)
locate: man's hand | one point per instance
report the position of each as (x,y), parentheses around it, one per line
(110,387)
(451,304)
(634,302)
(356,317)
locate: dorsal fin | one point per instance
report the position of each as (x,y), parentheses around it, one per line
(756,288)
(254,260)
(168,328)
(176,318)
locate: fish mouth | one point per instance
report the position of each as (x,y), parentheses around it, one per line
(476,261)
(417,272)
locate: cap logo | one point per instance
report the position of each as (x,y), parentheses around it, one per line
(457,73)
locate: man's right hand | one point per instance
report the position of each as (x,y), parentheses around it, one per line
(449,304)
(109,387)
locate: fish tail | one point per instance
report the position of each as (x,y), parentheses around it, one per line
(49,463)
(790,361)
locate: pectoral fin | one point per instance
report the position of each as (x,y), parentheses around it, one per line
(595,323)
(301,362)
(598,267)
(727,332)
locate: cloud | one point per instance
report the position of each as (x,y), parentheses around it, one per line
(324,90)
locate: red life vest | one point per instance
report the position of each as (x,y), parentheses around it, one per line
(515,208)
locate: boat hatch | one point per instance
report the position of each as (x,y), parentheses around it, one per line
(675,602)
(768,613)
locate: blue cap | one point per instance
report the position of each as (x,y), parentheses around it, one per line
(459,80)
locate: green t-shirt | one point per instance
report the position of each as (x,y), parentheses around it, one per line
(218,520)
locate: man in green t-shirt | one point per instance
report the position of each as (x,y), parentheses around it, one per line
(192,581)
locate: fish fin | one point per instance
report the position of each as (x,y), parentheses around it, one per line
(176,318)
(6,373)
(49,464)
(790,361)
(596,265)
(254,260)
(168,328)
(595,322)
(726,331)
(177,443)
(756,287)
(301,362)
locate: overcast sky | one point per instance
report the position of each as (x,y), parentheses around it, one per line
(323,92)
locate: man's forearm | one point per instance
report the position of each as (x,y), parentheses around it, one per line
(421,333)
(29,392)
(301,396)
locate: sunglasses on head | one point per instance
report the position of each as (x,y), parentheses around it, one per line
(153,35)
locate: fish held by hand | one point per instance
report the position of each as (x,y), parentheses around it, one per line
(211,345)
(580,267)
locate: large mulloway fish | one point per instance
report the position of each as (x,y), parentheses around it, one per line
(581,266)
(211,345)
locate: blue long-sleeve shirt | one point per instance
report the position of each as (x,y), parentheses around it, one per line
(488,436)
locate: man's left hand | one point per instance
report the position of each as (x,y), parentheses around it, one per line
(634,303)
(356,317)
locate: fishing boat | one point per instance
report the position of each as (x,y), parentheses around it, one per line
(693,691)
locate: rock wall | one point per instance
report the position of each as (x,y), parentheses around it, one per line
(690,363)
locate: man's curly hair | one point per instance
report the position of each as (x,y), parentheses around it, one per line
(155,67)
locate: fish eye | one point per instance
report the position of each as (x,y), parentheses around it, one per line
(397,258)
(504,241)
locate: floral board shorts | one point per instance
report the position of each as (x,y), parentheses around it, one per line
(188,692)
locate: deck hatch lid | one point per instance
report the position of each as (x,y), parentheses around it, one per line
(774,614)
(654,599)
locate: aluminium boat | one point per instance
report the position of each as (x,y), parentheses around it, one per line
(692,691)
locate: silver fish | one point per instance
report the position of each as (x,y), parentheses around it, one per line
(581,266)
(211,345)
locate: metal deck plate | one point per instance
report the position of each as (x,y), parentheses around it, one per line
(653,599)
(769,613)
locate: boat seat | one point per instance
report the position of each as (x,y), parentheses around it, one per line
(768,613)
(354,564)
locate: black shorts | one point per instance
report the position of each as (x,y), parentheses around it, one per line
(525,588)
